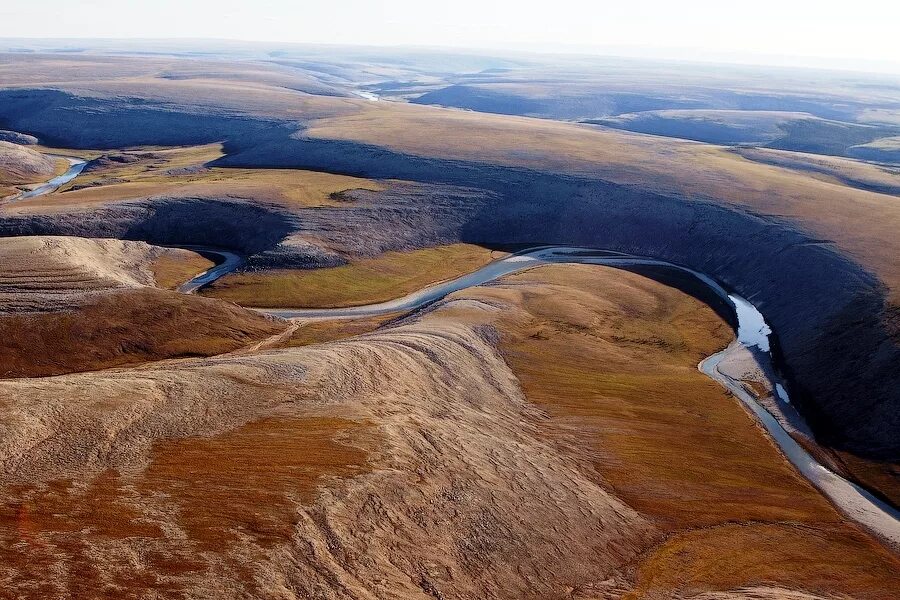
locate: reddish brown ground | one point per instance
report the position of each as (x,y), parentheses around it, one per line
(248,482)
(318,332)
(125,327)
(612,357)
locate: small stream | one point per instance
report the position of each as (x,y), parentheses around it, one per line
(226,262)
(77,165)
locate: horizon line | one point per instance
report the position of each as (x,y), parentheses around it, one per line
(676,54)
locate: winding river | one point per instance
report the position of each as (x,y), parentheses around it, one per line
(226,262)
(76,166)
(752,334)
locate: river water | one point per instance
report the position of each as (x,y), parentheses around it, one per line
(76,167)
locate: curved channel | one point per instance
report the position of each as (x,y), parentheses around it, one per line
(76,166)
(226,262)
(752,334)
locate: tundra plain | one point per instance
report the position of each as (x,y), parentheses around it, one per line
(545,435)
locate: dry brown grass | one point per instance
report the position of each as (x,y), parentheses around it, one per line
(611,357)
(125,327)
(319,332)
(148,163)
(461,480)
(826,559)
(626,372)
(365,281)
(171,269)
(182,172)
(245,483)
(22,164)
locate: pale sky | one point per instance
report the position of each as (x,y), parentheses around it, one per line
(851,30)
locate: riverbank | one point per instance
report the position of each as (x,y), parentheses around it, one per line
(76,166)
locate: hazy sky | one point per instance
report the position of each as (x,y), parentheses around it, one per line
(857,30)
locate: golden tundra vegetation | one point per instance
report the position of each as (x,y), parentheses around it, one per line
(329,330)
(184,172)
(364,281)
(172,268)
(545,436)
(615,369)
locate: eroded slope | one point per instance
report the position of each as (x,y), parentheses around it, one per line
(74,304)
(21,165)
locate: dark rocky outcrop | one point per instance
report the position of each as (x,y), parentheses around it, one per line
(402,217)
(238,226)
(14,137)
